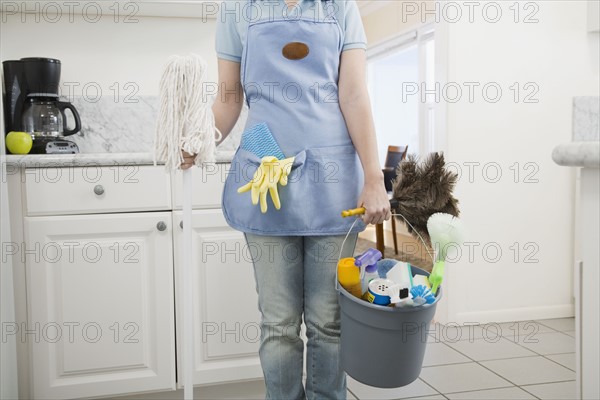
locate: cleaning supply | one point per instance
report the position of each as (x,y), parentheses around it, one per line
(421,280)
(384,266)
(437,275)
(401,273)
(422,295)
(444,230)
(400,295)
(370,273)
(185,122)
(185,119)
(348,275)
(271,172)
(368,267)
(369,257)
(378,291)
(259,140)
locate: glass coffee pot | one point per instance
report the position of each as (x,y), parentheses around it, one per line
(44,116)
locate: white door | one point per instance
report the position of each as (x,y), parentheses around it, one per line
(226,331)
(101,304)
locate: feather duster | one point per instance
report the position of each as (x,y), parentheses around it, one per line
(423,189)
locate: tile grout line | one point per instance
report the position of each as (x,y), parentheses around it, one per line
(352,393)
(557,330)
(422,380)
(476,362)
(537,384)
(544,355)
(535,354)
(556,362)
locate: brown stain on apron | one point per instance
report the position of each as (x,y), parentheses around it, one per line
(295,50)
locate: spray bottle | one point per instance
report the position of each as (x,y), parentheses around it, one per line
(349,276)
(368,267)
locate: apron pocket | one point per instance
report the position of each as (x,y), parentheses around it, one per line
(323,182)
(333,179)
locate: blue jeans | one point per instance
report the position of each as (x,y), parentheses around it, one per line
(295,277)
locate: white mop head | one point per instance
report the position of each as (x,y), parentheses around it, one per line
(185,119)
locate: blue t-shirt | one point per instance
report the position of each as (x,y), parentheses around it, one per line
(235,15)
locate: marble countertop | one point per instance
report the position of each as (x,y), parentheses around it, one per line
(577,154)
(88,159)
(584,150)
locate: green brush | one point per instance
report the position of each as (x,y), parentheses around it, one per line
(444,230)
(437,275)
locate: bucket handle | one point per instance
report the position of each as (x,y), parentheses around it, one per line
(337,283)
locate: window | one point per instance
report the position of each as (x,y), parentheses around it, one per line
(399,72)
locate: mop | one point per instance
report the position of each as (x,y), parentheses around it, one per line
(185,122)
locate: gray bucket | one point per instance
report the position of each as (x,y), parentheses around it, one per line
(384,346)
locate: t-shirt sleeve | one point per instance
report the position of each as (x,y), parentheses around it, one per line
(227,40)
(354,32)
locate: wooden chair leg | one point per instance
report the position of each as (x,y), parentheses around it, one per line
(394,235)
(379,238)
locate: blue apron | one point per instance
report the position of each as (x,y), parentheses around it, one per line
(297,97)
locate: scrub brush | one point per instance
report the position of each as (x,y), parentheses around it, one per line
(444,230)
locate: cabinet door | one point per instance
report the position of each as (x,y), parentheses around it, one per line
(101,304)
(227,329)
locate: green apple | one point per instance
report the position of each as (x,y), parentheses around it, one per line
(19,142)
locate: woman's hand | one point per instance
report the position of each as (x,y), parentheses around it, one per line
(188,160)
(374,199)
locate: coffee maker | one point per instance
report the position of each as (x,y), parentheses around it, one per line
(32,105)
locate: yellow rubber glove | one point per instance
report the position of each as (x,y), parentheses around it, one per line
(270,172)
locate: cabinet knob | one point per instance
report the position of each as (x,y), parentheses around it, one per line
(181,224)
(99,190)
(161,226)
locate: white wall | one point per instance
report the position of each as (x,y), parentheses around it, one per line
(560,58)
(557,55)
(106,52)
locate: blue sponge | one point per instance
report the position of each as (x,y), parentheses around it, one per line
(259,140)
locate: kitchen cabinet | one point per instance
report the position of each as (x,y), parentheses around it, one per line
(100,261)
(100,292)
(587,276)
(227,327)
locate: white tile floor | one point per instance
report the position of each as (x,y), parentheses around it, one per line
(525,360)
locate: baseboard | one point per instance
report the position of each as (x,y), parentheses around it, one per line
(247,390)
(516,314)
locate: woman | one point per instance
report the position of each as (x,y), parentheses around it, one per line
(301,65)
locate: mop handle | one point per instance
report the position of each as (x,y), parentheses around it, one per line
(188,289)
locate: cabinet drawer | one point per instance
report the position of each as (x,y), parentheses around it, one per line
(95,189)
(207,184)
